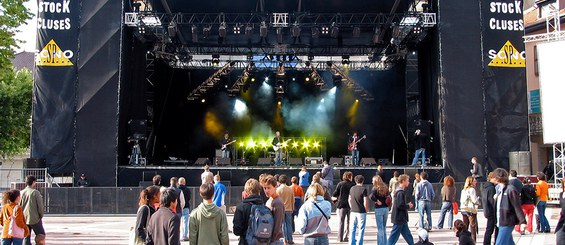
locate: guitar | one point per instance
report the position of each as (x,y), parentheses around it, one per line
(279,145)
(353,144)
(226,145)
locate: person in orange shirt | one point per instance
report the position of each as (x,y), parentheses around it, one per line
(298,197)
(10,200)
(541,193)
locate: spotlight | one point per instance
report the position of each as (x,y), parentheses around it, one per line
(296,31)
(307,79)
(307,63)
(325,30)
(315,32)
(172,29)
(279,35)
(356,100)
(345,60)
(248,31)
(376,36)
(215,59)
(222,30)
(263,29)
(236,29)
(206,31)
(279,103)
(322,100)
(335,31)
(203,101)
(310,57)
(295,144)
(194,34)
(356,32)
(316,144)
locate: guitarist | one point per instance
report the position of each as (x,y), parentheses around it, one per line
(277,142)
(352,147)
(225,144)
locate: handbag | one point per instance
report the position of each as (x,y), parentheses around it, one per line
(388,200)
(14,230)
(134,239)
(455,207)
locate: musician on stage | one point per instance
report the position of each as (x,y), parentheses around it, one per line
(352,147)
(277,146)
(226,145)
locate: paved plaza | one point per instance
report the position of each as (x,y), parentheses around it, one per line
(115,229)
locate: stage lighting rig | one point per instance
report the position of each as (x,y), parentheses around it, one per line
(335,31)
(356,32)
(295,31)
(222,32)
(236,29)
(263,30)
(325,30)
(206,31)
(194,34)
(215,59)
(315,32)
(249,31)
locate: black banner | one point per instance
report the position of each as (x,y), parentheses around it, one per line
(55,79)
(504,80)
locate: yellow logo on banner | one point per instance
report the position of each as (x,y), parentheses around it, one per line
(52,55)
(507,56)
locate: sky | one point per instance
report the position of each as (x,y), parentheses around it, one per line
(28,32)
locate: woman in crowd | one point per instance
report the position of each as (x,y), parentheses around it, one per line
(469,204)
(528,196)
(313,217)
(541,193)
(10,200)
(448,192)
(147,200)
(462,233)
(379,195)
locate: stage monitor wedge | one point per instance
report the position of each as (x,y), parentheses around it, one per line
(336,161)
(368,161)
(295,161)
(202,161)
(223,161)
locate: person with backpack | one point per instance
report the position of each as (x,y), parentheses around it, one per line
(313,217)
(276,205)
(243,217)
(147,198)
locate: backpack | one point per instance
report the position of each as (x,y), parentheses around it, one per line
(261,225)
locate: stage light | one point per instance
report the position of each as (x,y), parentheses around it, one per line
(335,31)
(333,90)
(284,144)
(263,30)
(251,144)
(306,144)
(206,31)
(194,34)
(252,79)
(264,144)
(215,59)
(236,29)
(294,144)
(293,79)
(296,31)
(316,144)
(248,31)
(322,100)
(356,32)
(325,30)
(315,32)
(279,103)
(356,101)
(279,35)
(307,79)
(376,36)
(310,57)
(222,30)
(203,101)
(172,29)
(266,79)
(345,60)
(241,144)
(240,107)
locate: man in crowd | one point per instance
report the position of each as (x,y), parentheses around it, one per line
(513,180)
(208,223)
(328,175)
(243,210)
(186,209)
(32,203)
(489,208)
(425,194)
(180,204)
(207,176)
(220,192)
(276,205)
(163,227)
(286,193)
(399,215)
(359,203)
(341,196)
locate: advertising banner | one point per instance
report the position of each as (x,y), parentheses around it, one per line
(55,84)
(504,80)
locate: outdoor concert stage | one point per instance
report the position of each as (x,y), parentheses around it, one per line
(237,175)
(162,80)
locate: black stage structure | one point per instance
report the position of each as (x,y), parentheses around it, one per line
(163,80)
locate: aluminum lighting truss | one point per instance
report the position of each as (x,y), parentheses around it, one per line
(212,81)
(352,84)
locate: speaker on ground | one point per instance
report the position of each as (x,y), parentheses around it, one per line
(295,161)
(264,161)
(202,161)
(336,161)
(368,161)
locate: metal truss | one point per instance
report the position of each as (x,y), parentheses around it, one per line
(317,79)
(241,81)
(352,84)
(284,49)
(212,81)
(274,19)
(558,163)
(551,36)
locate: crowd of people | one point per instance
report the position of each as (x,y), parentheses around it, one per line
(273,208)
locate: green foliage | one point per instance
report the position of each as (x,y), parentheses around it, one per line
(15,112)
(12,14)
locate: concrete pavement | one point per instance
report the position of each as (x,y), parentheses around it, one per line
(114,230)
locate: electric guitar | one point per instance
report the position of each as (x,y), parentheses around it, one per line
(226,145)
(353,144)
(279,145)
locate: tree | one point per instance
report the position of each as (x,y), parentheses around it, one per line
(15,112)
(12,14)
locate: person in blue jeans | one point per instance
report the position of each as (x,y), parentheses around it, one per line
(508,208)
(379,195)
(359,203)
(420,142)
(448,192)
(400,213)
(425,195)
(186,209)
